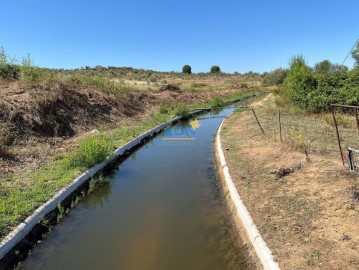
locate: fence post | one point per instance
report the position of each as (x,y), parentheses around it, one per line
(257,120)
(339,144)
(280,126)
(357,118)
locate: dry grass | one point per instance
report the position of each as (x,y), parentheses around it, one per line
(309,218)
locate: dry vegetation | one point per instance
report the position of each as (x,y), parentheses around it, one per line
(39,116)
(306,207)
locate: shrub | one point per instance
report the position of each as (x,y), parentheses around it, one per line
(28,71)
(91,151)
(315,92)
(106,85)
(8,68)
(276,77)
(299,81)
(187,69)
(215,70)
(326,67)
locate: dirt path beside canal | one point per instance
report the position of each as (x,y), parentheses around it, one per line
(305,207)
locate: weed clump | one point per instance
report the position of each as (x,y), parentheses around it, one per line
(217,102)
(181,110)
(91,151)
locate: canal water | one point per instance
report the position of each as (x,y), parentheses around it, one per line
(161,209)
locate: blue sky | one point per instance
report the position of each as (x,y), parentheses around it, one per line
(241,36)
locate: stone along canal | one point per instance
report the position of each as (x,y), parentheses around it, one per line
(161,209)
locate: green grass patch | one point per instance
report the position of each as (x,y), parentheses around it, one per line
(91,151)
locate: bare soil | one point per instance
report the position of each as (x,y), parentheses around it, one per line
(304,206)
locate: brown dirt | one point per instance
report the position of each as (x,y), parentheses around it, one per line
(39,120)
(309,218)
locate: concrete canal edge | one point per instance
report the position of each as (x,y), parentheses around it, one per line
(243,220)
(27,232)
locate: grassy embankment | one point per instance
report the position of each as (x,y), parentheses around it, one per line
(126,96)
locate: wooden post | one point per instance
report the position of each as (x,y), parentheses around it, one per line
(280,126)
(257,121)
(339,144)
(357,118)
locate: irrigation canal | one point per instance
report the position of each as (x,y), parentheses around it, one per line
(160,209)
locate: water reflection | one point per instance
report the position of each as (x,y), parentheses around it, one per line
(100,197)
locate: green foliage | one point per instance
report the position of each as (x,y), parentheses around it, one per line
(323,67)
(105,85)
(164,109)
(217,102)
(299,81)
(326,67)
(90,152)
(275,77)
(316,91)
(8,68)
(181,110)
(187,69)
(28,71)
(355,54)
(215,70)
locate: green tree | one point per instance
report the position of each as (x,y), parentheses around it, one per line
(326,67)
(275,77)
(187,69)
(299,81)
(355,54)
(323,67)
(215,70)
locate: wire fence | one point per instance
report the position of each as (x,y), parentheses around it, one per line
(311,133)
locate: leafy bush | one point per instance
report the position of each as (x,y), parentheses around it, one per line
(355,54)
(326,67)
(187,69)
(8,68)
(276,77)
(315,92)
(28,71)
